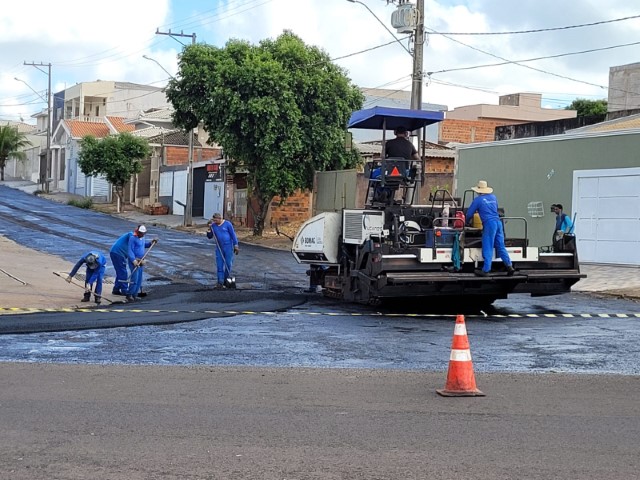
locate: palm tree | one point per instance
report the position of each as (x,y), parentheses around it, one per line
(11,144)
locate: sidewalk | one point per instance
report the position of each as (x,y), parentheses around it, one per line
(608,280)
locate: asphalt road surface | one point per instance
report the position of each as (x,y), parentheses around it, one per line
(269,383)
(141,422)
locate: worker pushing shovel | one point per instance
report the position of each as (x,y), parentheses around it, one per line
(129,251)
(226,246)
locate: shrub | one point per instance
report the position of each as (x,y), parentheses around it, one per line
(82,203)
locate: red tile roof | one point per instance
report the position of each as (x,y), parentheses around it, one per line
(119,125)
(81,129)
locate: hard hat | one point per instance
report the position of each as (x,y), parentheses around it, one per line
(142,229)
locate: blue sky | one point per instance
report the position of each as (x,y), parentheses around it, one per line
(86,41)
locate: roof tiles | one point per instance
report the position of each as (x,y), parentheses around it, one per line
(119,125)
(81,129)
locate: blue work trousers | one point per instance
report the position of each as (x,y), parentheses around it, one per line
(120,266)
(493,238)
(224,253)
(136,280)
(95,276)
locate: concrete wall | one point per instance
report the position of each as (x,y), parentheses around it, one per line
(624,87)
(541,169)
(519,107)
(542,129)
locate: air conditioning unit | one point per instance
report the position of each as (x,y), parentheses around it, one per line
(405,18)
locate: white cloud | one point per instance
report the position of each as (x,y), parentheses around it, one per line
(84,41)
(107,42)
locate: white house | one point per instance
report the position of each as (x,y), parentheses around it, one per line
(65,148)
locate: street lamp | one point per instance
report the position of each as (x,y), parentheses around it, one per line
(157,63)
(48,152)
(188,207)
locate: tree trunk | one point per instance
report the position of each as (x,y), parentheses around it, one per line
(2,173)
(260,216)
(118,199)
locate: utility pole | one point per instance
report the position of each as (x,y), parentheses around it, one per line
(45,181)
(188,209)
(416,87)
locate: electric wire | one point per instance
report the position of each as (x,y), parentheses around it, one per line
(507,62)
(524,66)
(365,50)
(540,30)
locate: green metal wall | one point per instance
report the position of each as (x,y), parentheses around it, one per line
(335,190)
(541,169)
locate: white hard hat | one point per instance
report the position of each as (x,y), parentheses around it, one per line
(142,229)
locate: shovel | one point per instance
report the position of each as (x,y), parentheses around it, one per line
(141,260)
(229,282)
(83,288)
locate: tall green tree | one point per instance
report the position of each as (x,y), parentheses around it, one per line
(12,143)
(117,157)
(588,107)
(279,110)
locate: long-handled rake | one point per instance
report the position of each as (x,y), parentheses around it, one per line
(85,289)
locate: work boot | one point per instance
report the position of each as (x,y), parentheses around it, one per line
(510,271)
(116,291)
(86,297)
(219,286)
(481,273)
(130,298)
(97,299)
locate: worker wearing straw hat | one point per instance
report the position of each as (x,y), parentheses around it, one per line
(486,204)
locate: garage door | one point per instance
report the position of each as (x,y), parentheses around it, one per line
(607,206)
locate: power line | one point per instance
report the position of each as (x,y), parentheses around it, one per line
(538,30)
(366,50)
(200,17)
(608,88)
(236,13)
(521,65)
(507,62)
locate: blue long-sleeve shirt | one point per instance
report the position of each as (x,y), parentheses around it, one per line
(136,247)
(223,233)
(487,207)
(130,246)
(101,261)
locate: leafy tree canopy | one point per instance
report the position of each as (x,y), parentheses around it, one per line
(588,107)
(12,144)
(117,157)
(279,109)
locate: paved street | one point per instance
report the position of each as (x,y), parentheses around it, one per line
(207,386)
(140,422)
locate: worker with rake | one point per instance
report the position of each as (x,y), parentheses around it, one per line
(96,263)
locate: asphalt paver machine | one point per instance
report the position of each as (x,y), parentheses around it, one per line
(397,248)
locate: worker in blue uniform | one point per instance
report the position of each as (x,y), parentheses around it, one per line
(126,256)
(486,204)
(94,274)
(226,245)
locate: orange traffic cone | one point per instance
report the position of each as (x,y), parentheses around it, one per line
(461,381)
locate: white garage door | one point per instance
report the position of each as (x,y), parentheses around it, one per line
(607,203)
